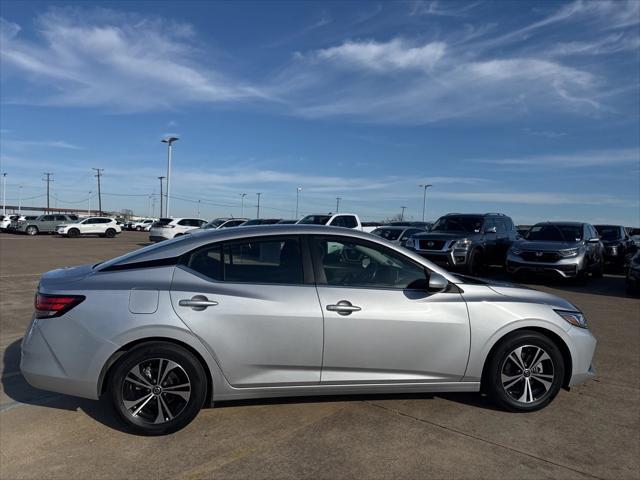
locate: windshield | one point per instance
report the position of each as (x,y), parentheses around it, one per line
(555,233)
(462,223)
(315,219)
(388,233)
(609,232)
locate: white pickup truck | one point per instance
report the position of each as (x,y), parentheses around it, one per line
(345,220)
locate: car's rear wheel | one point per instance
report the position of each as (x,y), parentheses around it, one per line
(110,233)
(31,230)
(73,233)
(475,266)
(158,388)
(525,372)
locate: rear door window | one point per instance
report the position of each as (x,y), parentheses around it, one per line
(264,261)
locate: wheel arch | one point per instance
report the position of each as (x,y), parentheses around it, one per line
(107,369)
(554,337)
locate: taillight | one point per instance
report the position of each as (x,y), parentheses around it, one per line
(48,306)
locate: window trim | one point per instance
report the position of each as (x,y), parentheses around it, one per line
(321,280)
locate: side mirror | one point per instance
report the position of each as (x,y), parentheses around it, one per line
(437,283)
(491,230)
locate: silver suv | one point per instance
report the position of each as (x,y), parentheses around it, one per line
(44,223)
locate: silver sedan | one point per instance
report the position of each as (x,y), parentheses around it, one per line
(292,310)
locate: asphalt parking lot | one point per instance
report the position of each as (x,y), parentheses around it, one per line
(591,432)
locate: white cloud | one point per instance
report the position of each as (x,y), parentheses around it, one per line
(573,160)
(381,57)
(121,62)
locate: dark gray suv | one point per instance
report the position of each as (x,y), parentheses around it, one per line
(467,242)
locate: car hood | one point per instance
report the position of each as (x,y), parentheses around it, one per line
(544,246)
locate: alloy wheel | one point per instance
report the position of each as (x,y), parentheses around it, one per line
(156,390)
(527,373)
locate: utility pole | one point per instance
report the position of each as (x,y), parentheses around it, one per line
(298,190)
(424,199)
(402,213)
(19,199)
(198,209)
(89,205)
(48,180)
(4,193)
(242,195)
(338,204)
(98,175)
(258,207)
(161,178)
(169,141)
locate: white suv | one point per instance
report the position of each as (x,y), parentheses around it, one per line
(167,228)
(101,226)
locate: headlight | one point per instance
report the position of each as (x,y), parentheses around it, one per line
(410,243)
(463,244)
(569,252)
(576,319)
(516,251)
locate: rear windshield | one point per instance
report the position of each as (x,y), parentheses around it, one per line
(461,223)
(609,232)
(555,233)
(164,221)
(315,219)
(388,233)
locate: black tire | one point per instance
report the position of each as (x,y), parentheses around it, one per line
(73,233)
(31,230)
(149,355)
(550,369)
(598,270)
(138,229)
(475,265)
(110,233)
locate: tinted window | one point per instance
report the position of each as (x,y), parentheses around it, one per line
(207,261)
(72,217)
(185,222)
(489,223)
(315,219)
(458,223)
(103,220)
(232,223)
(388,233)
(61,218)
(48,218)
(609,232)
(348,263)
(347,221)
(500,226)
(263,261)
(555,233)
(410,231)
(164,221)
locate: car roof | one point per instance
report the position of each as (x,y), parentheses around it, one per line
(572,224)
(396,227)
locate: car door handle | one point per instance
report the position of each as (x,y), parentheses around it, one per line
(198,302)
(343,307)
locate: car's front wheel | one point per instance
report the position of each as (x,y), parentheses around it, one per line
(158,388)
(31,230)
(73,233)
(110,233)
(525,372)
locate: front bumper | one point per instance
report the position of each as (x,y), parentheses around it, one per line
(565,268)
(582,346)
(445,258)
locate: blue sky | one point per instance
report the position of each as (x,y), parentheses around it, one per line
(531,109)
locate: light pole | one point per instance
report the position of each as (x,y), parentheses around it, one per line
(161,178)
(169,141)
(298,190)
(258,206)
(424,199)
(19,199)
(89,206)
(242,195)
(402,213)
(4,193)
(198,209)
(338,204)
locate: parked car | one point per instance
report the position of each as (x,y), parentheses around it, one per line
(287,222)
(398,235)
(402,223)
(224,222)
(45,223)
(466,242)
(16,222)
(260,221)
(292,310)
(142,225)
(523,230)
(5,221)
(564,249)
(618,245)
(634,233)
(633,274)
(100,226)
(168,228)
(345,220)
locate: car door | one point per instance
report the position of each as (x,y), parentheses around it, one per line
(264,325)
(48,223)
(380,323)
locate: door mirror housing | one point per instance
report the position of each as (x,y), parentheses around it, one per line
(437,283)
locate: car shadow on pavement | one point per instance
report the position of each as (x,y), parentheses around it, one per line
(20,392)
